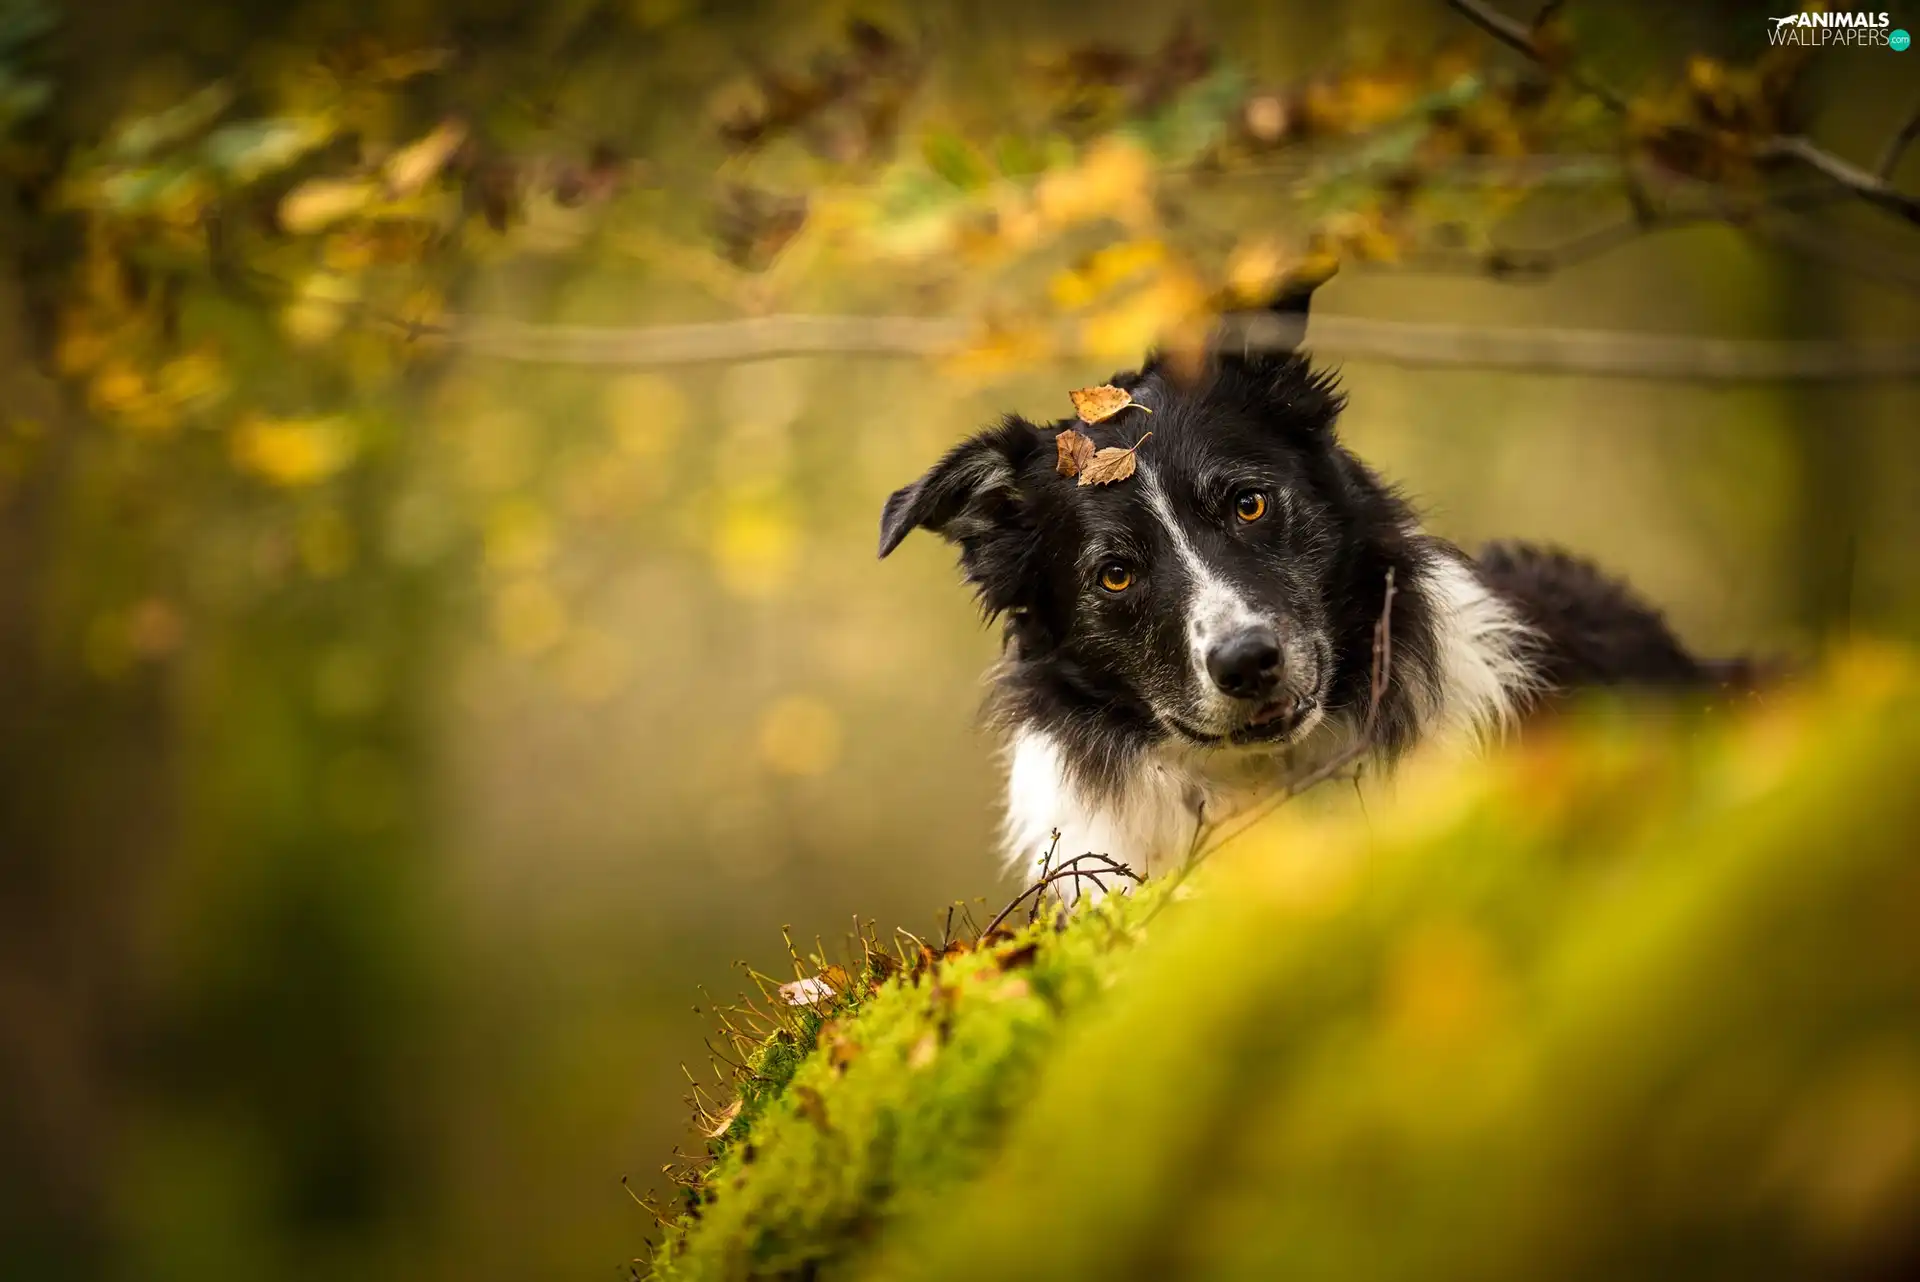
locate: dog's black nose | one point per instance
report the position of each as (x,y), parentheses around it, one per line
(1246,665)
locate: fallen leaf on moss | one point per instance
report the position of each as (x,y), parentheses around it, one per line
(1098,404)
(721,1121)
(881,967)
(1111,464)
(1011,990)
(1075,449)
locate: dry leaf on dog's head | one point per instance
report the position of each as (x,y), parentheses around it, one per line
(1111,464)
(1098,404)
(1076,450)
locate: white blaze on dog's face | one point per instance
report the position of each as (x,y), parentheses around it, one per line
(1245,646)
(1204,598)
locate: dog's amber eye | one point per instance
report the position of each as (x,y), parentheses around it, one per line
(1250,506)
(1115,577)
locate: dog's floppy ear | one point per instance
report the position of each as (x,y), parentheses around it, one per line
(968,493)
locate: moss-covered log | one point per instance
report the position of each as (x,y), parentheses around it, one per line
(1639,999)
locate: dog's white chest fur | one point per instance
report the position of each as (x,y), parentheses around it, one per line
(1481,679)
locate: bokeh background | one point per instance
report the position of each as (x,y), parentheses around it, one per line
(402,717)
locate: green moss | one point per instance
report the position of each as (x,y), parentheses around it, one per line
(913,1090)
(1641,999)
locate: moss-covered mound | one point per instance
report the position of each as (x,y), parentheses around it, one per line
(1635,1000)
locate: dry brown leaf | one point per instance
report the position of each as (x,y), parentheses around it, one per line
(1098,404)
(721,1121)
(1111,464)
(1076,450)
(1015,958)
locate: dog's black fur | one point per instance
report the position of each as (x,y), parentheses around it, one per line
(1112,677)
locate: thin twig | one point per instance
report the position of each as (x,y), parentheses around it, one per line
(1871,188)
(1414,343)
(1069,870)
(1897,145)
(1516,35)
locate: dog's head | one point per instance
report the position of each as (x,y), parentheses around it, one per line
(1209,595)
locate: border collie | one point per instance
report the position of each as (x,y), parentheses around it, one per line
(1181,641)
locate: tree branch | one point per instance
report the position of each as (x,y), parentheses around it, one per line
(1869,187)
(1513,34)
(1897,146)
(1554,351)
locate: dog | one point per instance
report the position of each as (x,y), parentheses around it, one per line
(1184,641)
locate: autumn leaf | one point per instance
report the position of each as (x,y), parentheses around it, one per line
(1076,451)
(414,166)
(1111,464)
(318,203)
(721,1121)
(1098,404)
(1014,958)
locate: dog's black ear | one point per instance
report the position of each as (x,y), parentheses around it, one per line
(1274,332)
(968,493)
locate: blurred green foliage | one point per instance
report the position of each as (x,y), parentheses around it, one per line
(1637,999)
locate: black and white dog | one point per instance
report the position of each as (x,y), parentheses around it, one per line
(1181,641)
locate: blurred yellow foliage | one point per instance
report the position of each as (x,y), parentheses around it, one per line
(799,737)
(1104,269)
(1173,309)
(293,452)
(1113,180)
(646,413)
(1001,348)
(319,203)
(319,308)
(755,547)
(519,536)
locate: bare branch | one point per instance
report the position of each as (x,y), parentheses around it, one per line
(1897,146)
(1869,187)
(1517,36)
(1558,351)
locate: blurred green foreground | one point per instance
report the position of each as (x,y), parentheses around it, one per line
(1630,1002)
